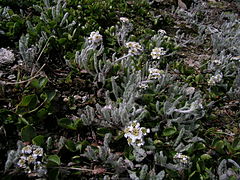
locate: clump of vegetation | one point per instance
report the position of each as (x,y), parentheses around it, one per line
(129,90)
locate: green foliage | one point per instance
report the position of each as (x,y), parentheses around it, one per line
(69,124)
(8,117)
(29,102)
(78,98)
(28,133)
(38,140)
(54,160)
(39,83)
(169,131)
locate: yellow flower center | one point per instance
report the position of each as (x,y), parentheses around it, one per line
(135,132)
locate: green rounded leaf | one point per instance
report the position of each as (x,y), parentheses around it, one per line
(103,131)
(50,95)
(42,113)
(67,123)
(206,157)
(169,131)
(39,83)
(35,83)
(54,160)
(29,100)
(199,146)
(42,82)
(219,145)
(28,133)
(236,144)
(82,145)
(38,140)
(69,144)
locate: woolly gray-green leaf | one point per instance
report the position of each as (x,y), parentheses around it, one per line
(139,154)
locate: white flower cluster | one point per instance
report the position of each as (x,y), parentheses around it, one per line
(215,79)
(6,56)
(217,62)
(134,134)
(95,38)
(124,20)
(162,32)
(143,85)
(31,160)
(155,73)
(182,159)
(157,53)
(134,48)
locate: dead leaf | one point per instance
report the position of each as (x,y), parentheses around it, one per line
(99,170)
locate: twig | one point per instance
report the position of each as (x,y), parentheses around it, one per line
(82,169)
(37,107)
(28,80)
(32,72)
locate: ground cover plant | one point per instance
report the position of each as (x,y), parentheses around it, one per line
(94,89)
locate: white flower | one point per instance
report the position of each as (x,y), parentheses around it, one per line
(134,134)
(40,169)
(134,51)
(143,85)
(155,73)
(135,124)
(134,48)
(130,44)
(211,82)
(31,159)
(215,79)
(217,62)
(145,131)
(218,77)
(161,31)
(182,159)
(140,142)
(38,152)
(28,170)
(22,162)
(65,99)
(157,53)
(124,20)
(27,149)
(95,37)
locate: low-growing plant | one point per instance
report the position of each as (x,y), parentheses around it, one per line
(127,90)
